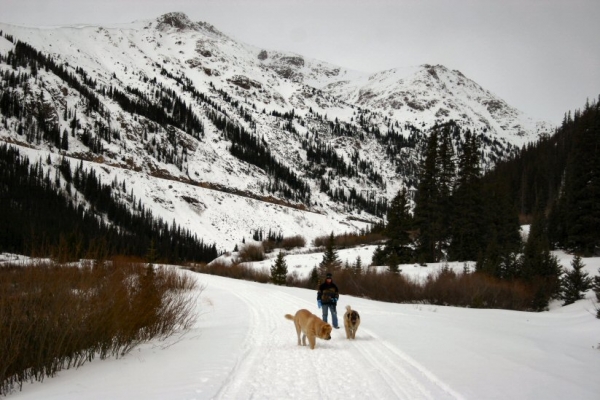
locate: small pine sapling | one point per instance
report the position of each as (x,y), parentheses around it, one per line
(279,270)
(575,283)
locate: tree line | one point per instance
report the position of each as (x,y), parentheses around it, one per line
(460,216)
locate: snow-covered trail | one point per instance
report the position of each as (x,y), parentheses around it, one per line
(272,366)
(242,347)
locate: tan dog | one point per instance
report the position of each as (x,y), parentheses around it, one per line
(351,322)
(311,326)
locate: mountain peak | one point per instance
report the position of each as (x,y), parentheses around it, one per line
(181,22)
(177,20)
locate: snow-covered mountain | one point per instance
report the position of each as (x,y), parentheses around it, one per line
(225,137)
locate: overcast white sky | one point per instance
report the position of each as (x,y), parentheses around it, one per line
(541,56)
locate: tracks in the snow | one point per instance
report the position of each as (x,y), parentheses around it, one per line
(271,365)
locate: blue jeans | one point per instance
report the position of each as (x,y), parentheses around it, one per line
(326,308)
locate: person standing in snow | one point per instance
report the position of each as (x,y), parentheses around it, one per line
(327,297)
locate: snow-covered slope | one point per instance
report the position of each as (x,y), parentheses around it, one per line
(428,94)
(326,128)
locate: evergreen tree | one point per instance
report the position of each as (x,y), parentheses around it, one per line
(510,266)
(358,266)
(393,264)
(583,184)
(399,223)
(279,270)
(446,181)
(490,263)
(152,255)
(557,221)
(467,228)
(575,283)
(426,203)
(379,256)
(64,142)
(313,278)
(537,259)
(502,233)
(539,266)
(330,258)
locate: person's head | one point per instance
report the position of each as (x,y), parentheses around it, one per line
(328,277)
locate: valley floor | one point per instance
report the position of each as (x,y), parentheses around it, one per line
(242,347)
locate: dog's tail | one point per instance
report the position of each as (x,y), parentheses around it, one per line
(289,316)
(349,308)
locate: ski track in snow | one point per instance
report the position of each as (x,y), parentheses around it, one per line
(272,366)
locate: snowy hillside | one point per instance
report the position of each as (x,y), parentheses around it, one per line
(431,93)
(219,217)
(242,347)
(216,134)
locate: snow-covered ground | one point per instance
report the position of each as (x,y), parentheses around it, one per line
(242,347)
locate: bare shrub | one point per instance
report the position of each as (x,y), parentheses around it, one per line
(55,316)
(251,253)
(269,245)
(382,286)
(291,242)
(446,287)
(477,290)
(235,271)
(295,280)
(350,240)
(286,243)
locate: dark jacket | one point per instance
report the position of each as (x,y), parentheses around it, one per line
(328,293)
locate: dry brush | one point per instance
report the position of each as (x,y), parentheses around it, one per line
(56,316)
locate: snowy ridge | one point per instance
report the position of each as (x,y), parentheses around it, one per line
(428,94)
